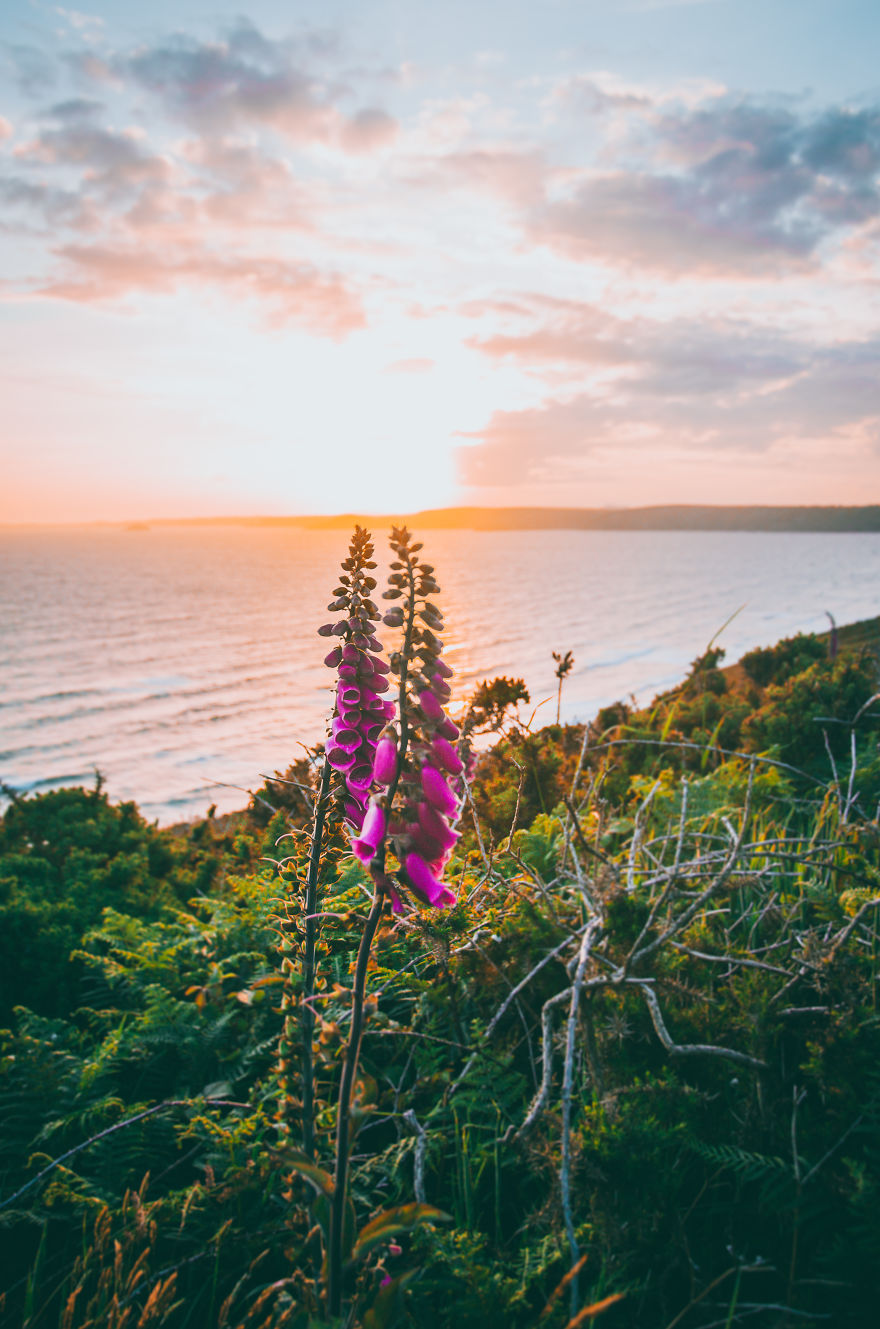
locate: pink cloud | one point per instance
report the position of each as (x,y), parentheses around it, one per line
(410,366)
(292,292)
(367,131)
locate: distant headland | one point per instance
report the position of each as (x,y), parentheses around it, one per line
(671,517)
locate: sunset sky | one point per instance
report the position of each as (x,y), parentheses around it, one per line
(380,255)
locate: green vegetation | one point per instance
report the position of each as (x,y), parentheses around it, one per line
(645,1042)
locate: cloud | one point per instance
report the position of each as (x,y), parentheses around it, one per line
(368,130)
(6,130)
(293,293)
(591,94)
(53,206)
(33,70)
(682,357)
(416,366)
(238,185)
(79,21)
(249,80)
(729,189)
(687,399)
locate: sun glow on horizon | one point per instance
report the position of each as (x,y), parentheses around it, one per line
(264,268)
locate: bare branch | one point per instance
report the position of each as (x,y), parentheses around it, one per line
(419,1157)
(511,997)
(586,946)
(690,1049)
(540,1099)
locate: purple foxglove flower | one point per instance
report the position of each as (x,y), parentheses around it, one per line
(437,791)
(376,683)
(371,834)
(441,688)
(374,824)
(434,825)
(446,756)
(360,776)
(326,629)
(379,665)
(443,669)
(422,878)
(448,729)
(430,705)
(341,760)
(425,845)
(349,740)
(349,695)
(332,659)
(385,761)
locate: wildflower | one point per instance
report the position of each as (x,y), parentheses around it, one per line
(421,767)
(360,713)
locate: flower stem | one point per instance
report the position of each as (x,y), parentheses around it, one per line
(310,965)
(343,1141)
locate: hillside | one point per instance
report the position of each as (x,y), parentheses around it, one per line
(642,1046)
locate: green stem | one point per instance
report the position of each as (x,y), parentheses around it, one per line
(343,1142)
(310,965)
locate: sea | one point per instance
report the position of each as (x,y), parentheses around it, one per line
(182,662)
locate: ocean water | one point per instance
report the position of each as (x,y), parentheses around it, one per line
(182,662)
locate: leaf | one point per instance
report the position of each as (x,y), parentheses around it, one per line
(667,723)
(217,1089)
(385,1308)
(301,1163)
(597,1308)
(391,1221)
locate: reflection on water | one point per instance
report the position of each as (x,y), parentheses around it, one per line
(183,655)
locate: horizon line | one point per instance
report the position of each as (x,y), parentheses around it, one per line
(491,516)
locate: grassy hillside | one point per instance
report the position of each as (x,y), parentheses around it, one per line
(643,1046)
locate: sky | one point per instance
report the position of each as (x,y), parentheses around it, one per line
(384,255)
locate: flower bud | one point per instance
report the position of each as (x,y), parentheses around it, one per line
(445,756)
(385,761)
(430,705)
(437,792)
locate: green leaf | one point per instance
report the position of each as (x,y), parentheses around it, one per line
(298,1162)
(386,1307)
(391,1221)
